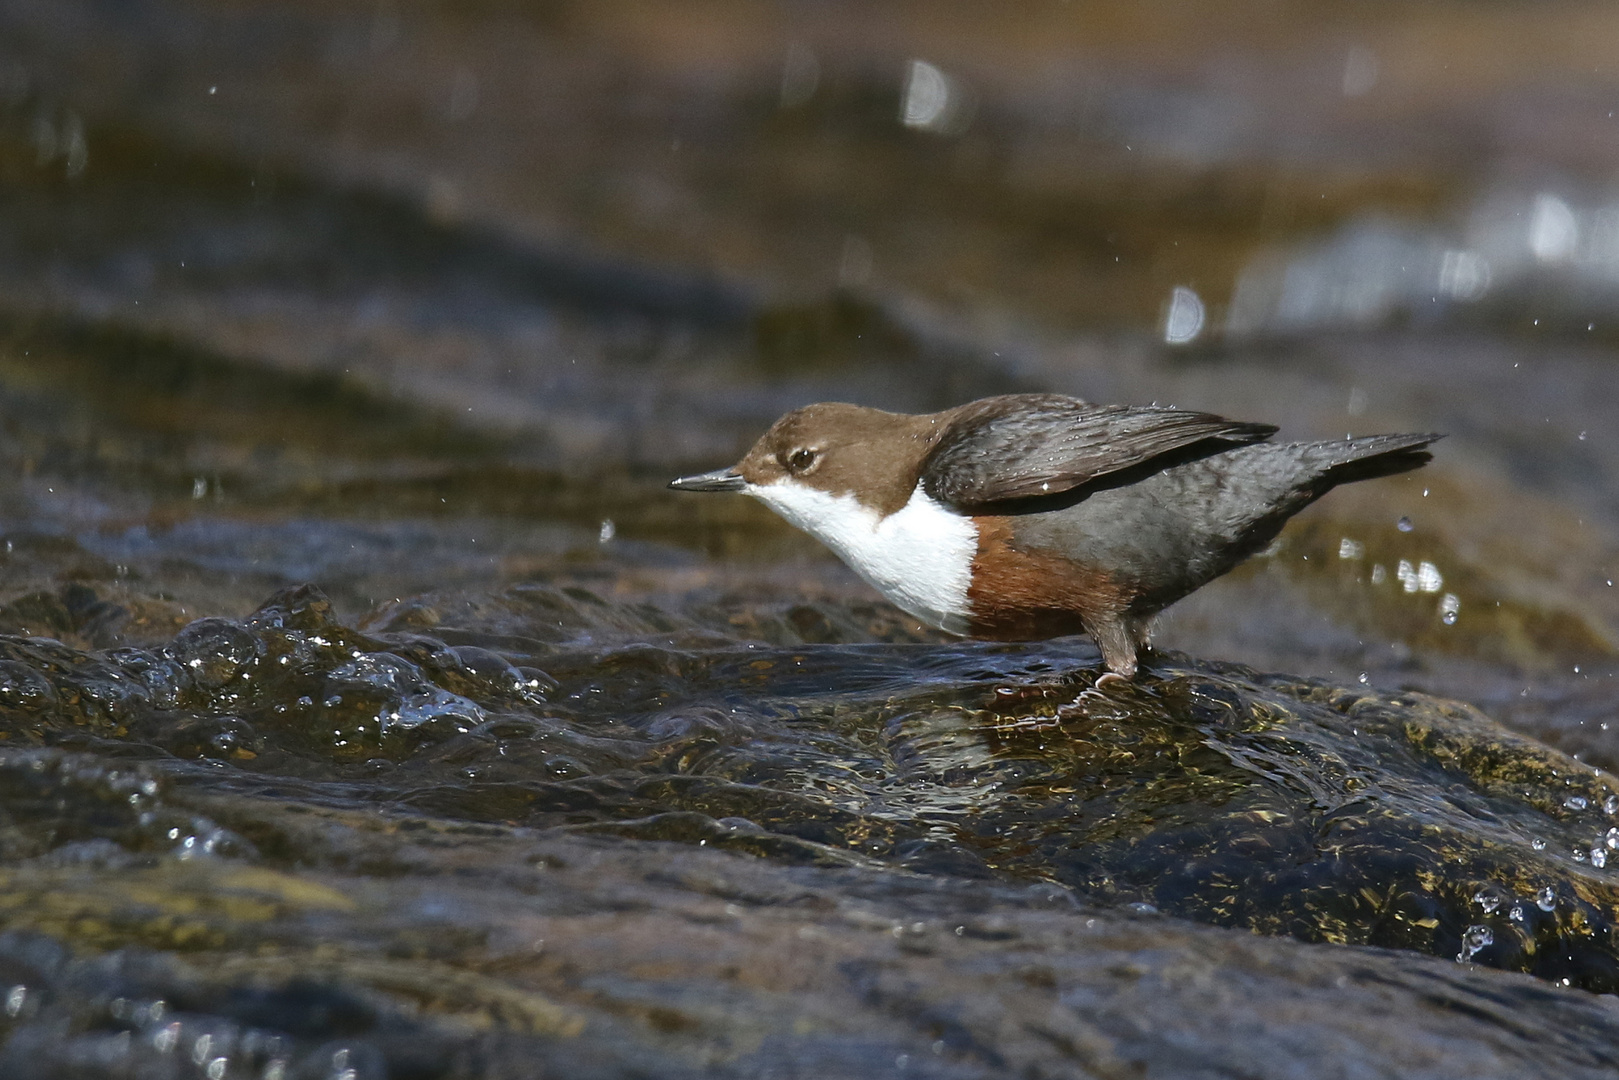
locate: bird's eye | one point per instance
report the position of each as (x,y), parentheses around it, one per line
(801,460)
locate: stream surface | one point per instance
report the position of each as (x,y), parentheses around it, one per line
(369,708)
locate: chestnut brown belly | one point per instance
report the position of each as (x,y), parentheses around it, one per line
(1026,595)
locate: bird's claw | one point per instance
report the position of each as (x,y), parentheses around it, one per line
(1094,695)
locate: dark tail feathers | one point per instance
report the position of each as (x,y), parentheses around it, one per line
(1373,456)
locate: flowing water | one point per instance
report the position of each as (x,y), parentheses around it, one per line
(369,708)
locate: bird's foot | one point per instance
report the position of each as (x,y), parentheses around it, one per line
(1096,696)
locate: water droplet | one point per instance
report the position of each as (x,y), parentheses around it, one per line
(1599,856)
(1582,436)
(1578,854)
(1405,524)
(1516,914)
(1350,549)
(1364,678)
(1476,939)
(1576,802)
(1546,898)
(927,103)
(1538,844)
(1611,804)
(165,1039)
(1184,320)
(1487,900)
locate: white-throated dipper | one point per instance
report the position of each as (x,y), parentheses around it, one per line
(1030,516)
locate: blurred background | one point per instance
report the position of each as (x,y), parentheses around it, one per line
(419,301)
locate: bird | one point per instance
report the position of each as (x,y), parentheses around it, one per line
(1029,516)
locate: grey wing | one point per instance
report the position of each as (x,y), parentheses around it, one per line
(1025,446)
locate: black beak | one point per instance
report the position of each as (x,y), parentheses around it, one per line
(718,480)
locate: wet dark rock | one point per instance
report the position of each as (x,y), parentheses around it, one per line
(214,651)
(57,802)
(74,611)
(1285,806)
(222,737)
(163,678)
(94,619)
(596,957)
(37,615)
(300,607)
(22,687)
(474,671)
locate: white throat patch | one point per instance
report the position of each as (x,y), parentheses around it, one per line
(920,557)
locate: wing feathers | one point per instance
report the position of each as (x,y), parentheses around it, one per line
(1024,446)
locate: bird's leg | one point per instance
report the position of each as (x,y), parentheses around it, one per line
(1117,643)
(1141,634)
(1118,646)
